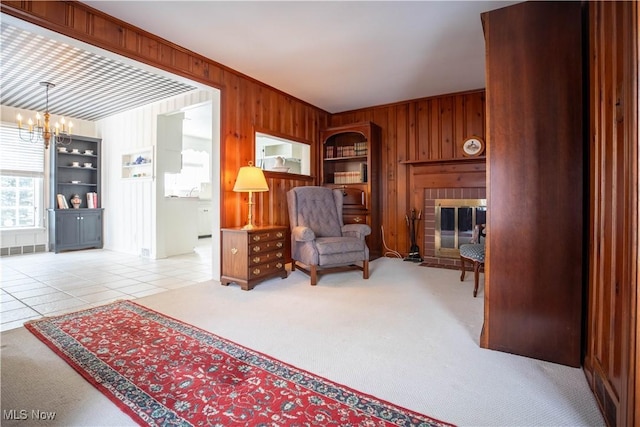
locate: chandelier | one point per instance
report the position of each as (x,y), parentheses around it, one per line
(41,130)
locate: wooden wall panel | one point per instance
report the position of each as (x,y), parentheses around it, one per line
(533,273)
(612,344)
(416,133)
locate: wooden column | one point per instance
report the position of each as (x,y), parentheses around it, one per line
(535,148)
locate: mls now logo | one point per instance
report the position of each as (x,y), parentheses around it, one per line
(23,414)
(15,414)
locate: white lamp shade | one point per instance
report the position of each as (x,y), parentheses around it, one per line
(250,178)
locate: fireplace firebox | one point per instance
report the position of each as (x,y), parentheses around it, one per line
(455,220)
(433,195)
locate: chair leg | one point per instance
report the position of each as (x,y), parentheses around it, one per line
(463,269)
(313,270)
(293,265)
(365,269)
(476,272)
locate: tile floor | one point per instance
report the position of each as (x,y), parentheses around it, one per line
(44,284)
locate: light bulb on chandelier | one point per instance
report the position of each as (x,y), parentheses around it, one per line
(41,130)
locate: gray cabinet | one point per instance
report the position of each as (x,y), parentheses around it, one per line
(75,170)
(71,229)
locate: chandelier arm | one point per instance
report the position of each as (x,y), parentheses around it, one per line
(45,133)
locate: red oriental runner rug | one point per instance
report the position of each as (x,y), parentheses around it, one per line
(164,372)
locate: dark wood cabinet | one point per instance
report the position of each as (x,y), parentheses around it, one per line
(251,256)
(351,162)
(75,170)
(535,120)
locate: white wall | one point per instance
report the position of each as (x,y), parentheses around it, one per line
(131,205)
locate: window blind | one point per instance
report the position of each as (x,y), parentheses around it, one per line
(18,157)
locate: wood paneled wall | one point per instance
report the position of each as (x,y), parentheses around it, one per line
(246,103)
(612,353)
(534,262)
(419,138)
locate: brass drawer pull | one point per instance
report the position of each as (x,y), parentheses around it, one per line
(279,234)
(256,238)
(279,265)
(234,251)
(279,255)
(256,271)
(357,219)
(279,244)
(256,259)
(256,249)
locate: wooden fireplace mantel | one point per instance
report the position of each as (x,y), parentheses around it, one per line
(480,159)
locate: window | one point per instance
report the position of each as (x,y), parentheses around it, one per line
(282,155)
(21,181)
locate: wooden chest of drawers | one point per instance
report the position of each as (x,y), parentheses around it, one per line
(251,256)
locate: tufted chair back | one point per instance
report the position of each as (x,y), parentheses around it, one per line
(318,208)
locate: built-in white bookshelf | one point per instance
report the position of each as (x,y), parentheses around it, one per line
(138,164)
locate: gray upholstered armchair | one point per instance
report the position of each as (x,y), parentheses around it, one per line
(320,241)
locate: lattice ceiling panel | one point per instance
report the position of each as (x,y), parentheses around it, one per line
(87,86)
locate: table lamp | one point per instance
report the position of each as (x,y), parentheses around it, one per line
(250,179)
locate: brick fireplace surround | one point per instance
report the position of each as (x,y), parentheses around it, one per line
(429,221)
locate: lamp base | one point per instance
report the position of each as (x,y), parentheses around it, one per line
(249,227)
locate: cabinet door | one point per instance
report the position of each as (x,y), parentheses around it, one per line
(204,221)
(91,229)
(234,254)
(67,229)
(169,150)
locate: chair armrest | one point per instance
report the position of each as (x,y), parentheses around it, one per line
(303,234)
(356,230)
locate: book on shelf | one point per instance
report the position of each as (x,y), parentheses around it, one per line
(329,152)
(62,202)
(360,148)
(92,200)
(363,172)
(351,177)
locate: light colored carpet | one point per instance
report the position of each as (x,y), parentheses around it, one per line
(408,335)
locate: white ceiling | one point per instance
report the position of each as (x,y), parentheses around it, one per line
(336,55)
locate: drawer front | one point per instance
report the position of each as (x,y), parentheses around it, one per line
(265,269)
(259,248)
(266,236)
(354,198)
(355,219)
(262,257)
